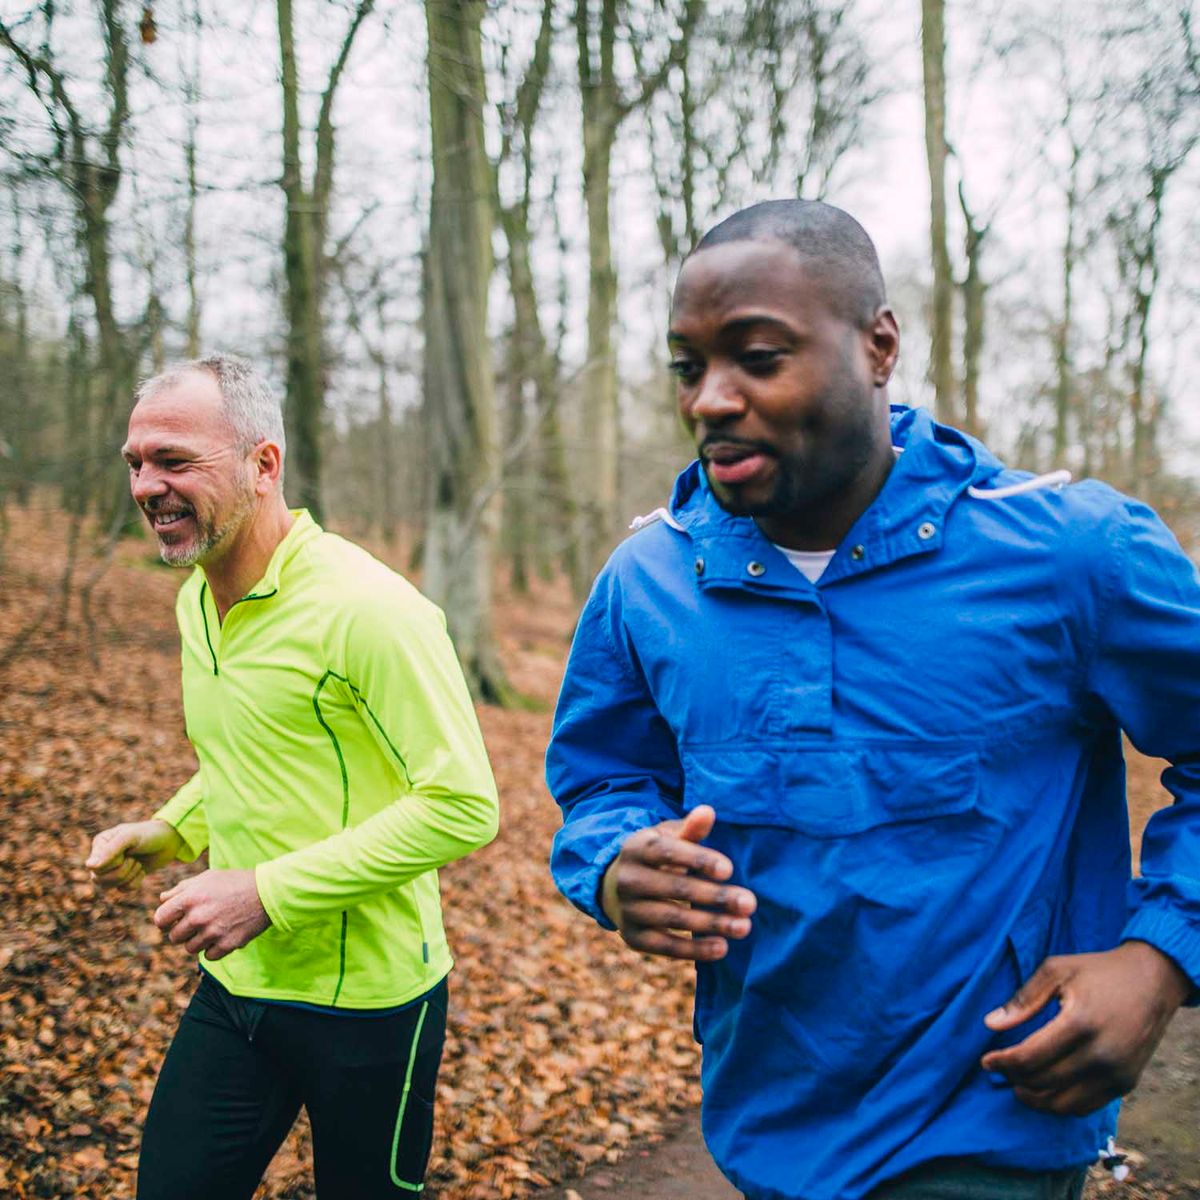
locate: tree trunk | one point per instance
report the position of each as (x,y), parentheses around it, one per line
(192,96)
(463,511)
(933,54)
(974,292)
(305,390)
(601,412)
(1063,366)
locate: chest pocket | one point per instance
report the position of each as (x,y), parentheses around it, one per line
(826,792)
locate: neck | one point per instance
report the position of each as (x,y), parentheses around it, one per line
(234,572)
(823,524)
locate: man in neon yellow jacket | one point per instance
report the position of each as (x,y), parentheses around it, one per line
(340,765)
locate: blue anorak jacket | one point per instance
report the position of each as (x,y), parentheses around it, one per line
(916,766)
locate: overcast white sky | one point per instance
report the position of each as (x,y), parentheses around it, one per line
(383,182)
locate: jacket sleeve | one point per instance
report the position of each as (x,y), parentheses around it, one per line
(1145,668)
(409,689)
(612,762)
(185,811)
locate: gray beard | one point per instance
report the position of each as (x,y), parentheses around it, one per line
(209,537)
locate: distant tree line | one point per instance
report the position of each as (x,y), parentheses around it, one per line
(484,429)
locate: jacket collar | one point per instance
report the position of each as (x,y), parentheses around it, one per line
(303,530)
(935,464)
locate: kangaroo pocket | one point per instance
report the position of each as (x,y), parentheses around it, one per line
(826,792)
(866,860)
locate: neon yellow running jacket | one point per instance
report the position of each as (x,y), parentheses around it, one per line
(340,757)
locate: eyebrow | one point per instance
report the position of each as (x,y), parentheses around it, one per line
(739,324)
(157,452)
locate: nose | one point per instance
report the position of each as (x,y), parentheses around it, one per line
(715,399)
(146,482)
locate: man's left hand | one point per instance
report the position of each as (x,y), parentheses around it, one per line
(215,911)
(1113,1010)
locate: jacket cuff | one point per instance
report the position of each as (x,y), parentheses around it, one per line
(184,812)
(583,885)
(268,895)
(1173,935)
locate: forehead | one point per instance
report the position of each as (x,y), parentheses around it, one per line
(767,277)
(188,412)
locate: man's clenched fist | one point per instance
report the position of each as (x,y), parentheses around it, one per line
(125,854)
(215,911)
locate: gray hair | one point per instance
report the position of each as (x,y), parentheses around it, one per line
(253,410)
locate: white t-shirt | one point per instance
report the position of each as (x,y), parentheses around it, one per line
(810,563)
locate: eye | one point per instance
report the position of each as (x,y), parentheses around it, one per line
(686,370)
(760,361)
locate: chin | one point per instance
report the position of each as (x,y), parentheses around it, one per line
(178,554)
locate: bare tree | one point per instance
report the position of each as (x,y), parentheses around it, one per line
(1151,101)
(304,249)
(85,160)
(933,58)
(605,105)
(532,430)
(463,457)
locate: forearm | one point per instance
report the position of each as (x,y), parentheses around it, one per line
(184,812)
(420,832)
(589,842)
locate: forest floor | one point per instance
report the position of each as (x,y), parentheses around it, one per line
(564,1052)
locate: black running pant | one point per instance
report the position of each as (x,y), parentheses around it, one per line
(238,1071)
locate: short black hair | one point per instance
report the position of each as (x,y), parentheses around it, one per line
(834,245)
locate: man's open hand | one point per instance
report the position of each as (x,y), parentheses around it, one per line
(665,886)
(1113,1010)
(215,911)
(123,855)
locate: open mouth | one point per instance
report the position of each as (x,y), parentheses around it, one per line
(733,463)
(165,519)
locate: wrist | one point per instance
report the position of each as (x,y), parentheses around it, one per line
(1170,981)
(610,904)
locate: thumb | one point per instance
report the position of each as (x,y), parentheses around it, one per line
(698,824)
(107,847)
(1030,998)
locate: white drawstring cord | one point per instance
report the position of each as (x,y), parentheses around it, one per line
(659,514)
(1054,479)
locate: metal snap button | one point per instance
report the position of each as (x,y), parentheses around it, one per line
(699,566)
(755,568)
(926,530)
(858,553)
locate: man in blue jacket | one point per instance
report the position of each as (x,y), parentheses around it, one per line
(843,724)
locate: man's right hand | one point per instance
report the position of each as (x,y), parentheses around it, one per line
(123,855)
(664,886)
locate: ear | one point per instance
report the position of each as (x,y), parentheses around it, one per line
(268,466)
(883,345)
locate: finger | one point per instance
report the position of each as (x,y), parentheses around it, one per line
(129,873)
(169,912)
(653,941)
(1040,1051)
(659,915)
(199,941)
(659,848)
(108,847)
(1030,998)
(1076,1101)
(698,823)
(173,891)
(643,883)
(118,874)
(186,928)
